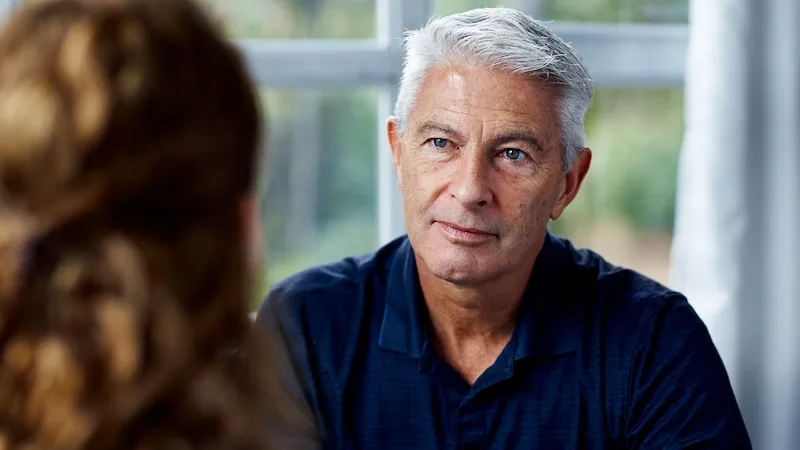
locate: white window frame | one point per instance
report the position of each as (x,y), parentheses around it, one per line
(616,54)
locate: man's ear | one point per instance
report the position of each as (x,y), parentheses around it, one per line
(571,182)
(393,135)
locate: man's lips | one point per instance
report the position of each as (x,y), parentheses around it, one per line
(462,229)
(465,236)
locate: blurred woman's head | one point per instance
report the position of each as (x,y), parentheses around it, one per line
(129,135)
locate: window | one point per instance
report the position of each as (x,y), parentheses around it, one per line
(319,193)
(285,19)
(329,71)
(347,88)
(445,7)
(632,11)
(626,208)
(629,11)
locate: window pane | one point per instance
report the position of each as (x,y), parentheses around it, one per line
(320,186)
(626,207)
(656,11)
(280,19)
(444,7)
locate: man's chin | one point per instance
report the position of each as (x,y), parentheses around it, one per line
(458,264)
(461,272)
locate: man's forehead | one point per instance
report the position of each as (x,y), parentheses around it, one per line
(458,94)
(477,79)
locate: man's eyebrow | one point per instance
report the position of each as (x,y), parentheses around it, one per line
(512,136)
(518,136)
(432,126)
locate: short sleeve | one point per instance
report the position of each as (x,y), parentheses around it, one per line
(680,395)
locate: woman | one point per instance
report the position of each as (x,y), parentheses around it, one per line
(129,135)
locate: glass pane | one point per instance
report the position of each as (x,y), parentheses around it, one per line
(626,208)
(445,7)
(281,19)
(319,194)
(655,11)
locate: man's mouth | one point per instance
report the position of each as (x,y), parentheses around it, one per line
(464,235)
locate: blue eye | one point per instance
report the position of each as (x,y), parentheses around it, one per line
(514,154)
(439,142)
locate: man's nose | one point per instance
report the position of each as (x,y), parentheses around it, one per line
(470,183)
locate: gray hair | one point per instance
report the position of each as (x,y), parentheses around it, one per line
(507,40)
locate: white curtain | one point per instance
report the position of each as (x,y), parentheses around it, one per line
(736,251)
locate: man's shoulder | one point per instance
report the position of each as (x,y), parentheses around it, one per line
(332,288)
(605,278)
(590,266)
(324,280)
(649,334)
(620,293)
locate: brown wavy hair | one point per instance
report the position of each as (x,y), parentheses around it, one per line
(129,136)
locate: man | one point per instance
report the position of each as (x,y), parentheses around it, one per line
(480,329)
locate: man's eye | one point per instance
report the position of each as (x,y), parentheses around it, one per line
(514,154)
(439,142)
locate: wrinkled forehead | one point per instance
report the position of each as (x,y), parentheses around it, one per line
(471,98)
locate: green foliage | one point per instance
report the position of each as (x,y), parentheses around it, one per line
(635,136)
(445,7)
(349,160)
(643,190)
(645,11)
(618,10)
(325,19)
(349,236)
(346,195)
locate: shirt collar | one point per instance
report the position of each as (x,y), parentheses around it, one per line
(549,318)
(404,326)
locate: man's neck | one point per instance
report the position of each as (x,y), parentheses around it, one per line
(471,325)
(471,312)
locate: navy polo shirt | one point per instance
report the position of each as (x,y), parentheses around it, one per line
(601,358)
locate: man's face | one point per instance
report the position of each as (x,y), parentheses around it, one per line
(480,169)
